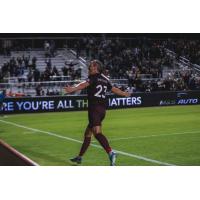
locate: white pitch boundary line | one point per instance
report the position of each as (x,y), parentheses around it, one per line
(94,145)
(149,136)
(29,132)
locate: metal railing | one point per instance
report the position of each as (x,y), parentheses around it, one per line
(185,61)
(47,87)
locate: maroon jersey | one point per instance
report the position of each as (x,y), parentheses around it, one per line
(99,85)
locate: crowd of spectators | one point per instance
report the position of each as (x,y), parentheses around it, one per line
(140,61)
(16,67)
(40,91)
(176,81)
(122,58)
(188,48)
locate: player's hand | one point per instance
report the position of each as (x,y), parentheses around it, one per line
(69,89)
(126,94)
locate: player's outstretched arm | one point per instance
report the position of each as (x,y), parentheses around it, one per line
(119,92)
(78,87)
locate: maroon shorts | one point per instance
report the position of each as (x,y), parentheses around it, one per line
(96,114)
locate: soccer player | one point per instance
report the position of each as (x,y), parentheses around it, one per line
(2,96)
(97,85)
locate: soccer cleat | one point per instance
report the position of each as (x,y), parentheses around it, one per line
(112,157)
(77,160)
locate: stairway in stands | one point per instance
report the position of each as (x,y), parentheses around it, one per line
(61,56)
(59,60)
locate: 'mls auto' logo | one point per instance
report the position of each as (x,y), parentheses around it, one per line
(167,102)
(187,101)
(184,100)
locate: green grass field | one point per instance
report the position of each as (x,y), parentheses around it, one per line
(143,136)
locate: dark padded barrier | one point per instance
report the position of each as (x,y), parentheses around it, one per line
(69,103)
(11,157)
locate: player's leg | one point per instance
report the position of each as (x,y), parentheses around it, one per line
(84,147)
(105,144)
(97,116)
(86,142)
(101,138)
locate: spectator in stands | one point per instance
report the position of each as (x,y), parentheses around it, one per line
(47,49)
(78,73)
(65,71)
(38,90)
(55,71)
(53,92)
(36,75)
(48,62)
(34,60)
(52,48)
(192,83)
(26,61)
(30,76)
(137,84)
(46,74)
(47,93)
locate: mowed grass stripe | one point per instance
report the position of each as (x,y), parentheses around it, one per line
(183,149)
(158,135)
(97,146)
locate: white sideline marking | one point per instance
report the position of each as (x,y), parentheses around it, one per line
(29,132)
(149,136)
(94,145)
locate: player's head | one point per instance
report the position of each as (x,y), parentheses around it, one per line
(95,67)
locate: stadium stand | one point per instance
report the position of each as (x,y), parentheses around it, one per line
(147,64)
(138,64)
(36,66)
